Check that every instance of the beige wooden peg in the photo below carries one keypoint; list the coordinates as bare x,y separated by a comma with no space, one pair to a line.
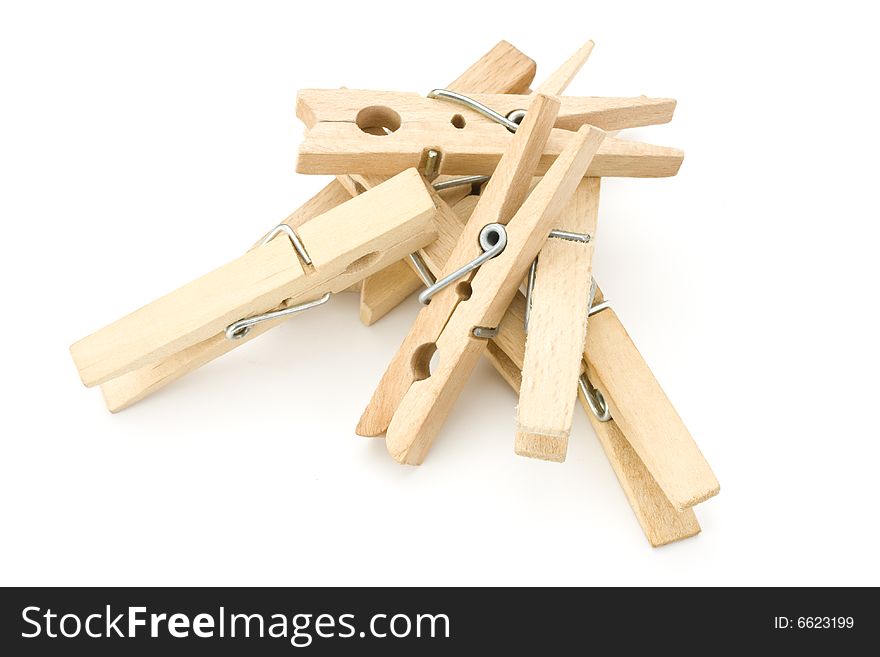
560,303
662,521
383,291
504,69
638,404
557,326
502,197
258,280
343,245
383,113
428,401
659,520
370,133
644,413
331,148
560,78
132,387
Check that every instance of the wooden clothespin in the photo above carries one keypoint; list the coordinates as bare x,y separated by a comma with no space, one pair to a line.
292,270
660,521
502,70
629,394
557,303
132,387
378,133
411,402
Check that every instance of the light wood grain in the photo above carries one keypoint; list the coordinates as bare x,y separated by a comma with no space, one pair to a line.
557,328
550,439
503,195
332,148
331,195
411,110
661,440
661,523
659,519
645,415
258,280
428,401
345,244
127,389
559,80
335,143
381,293
504,69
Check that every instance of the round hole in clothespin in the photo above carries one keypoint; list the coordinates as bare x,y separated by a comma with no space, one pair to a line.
378,120
458,121
422,361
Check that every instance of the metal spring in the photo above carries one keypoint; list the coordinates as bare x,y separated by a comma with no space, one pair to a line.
493,239
511,121
237,330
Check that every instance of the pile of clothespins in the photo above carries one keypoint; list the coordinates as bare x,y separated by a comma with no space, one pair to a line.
484,196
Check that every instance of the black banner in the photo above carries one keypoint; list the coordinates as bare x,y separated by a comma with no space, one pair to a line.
278,621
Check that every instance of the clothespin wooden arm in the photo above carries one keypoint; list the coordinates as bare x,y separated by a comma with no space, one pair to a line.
559,303
381,111
659,520
639,407
559,80
557,325
259,280
427,402
503,69
498,203
127,389
644,413
340,244
333,148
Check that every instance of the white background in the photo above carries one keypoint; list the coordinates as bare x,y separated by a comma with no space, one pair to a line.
143,144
